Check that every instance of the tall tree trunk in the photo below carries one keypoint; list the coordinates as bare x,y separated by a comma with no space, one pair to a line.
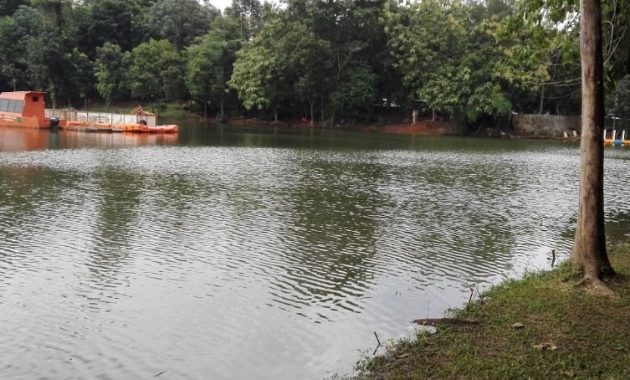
541,105
222,105
589,251
312,104
321,117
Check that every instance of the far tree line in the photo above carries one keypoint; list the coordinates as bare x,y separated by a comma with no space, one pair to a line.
322,61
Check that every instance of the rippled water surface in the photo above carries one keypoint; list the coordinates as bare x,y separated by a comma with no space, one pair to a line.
235,254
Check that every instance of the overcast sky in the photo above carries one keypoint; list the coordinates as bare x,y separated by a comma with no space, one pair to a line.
221,4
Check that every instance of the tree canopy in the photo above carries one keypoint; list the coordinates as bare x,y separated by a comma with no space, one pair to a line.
326,61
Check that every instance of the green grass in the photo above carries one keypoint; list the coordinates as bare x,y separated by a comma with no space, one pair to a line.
584,335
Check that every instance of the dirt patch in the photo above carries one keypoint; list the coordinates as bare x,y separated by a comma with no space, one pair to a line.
420,128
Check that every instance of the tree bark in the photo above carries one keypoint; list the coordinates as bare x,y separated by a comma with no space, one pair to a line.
222,105
321,118
589,250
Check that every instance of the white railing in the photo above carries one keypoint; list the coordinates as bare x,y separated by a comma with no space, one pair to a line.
101,117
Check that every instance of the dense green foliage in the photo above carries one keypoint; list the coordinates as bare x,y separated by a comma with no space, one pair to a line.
323,61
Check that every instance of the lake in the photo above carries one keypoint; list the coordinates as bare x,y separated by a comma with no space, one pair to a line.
236,253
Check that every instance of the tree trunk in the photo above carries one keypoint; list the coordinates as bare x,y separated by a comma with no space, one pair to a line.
589,251
541,105
321,118
333,116
312,104
222,106
275,114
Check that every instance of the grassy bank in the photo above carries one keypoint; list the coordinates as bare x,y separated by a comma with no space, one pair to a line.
543,326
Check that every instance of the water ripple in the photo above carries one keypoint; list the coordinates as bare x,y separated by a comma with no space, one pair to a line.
124,263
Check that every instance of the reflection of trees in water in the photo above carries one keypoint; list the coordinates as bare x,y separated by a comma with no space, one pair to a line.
116,221
462,218
329,236
24,192
459,223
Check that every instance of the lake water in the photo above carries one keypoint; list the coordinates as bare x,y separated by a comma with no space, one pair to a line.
227,253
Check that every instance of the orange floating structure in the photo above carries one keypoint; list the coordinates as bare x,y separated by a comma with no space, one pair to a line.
27,109
24,109
86,126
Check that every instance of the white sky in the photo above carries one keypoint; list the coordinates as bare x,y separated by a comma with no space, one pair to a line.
221,4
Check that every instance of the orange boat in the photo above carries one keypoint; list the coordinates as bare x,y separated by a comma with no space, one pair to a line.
27,109
24,109
126,128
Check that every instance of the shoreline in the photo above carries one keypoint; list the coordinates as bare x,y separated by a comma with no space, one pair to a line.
541,326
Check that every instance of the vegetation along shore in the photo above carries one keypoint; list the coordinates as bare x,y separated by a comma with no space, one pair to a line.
547,325
323,63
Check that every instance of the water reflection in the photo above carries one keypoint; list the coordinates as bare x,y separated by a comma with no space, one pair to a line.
329,237
18,139
284,251
116,222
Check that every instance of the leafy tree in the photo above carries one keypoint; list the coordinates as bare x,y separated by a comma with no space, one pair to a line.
15,34
52,10
257,78
179,21
32,54
308,59
48,69
82,78
111,72
114,21
461,58
208,67
8,7
260,71
356,91
562,16
430,41
357,40
619,101
249,14
10,69
156,72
